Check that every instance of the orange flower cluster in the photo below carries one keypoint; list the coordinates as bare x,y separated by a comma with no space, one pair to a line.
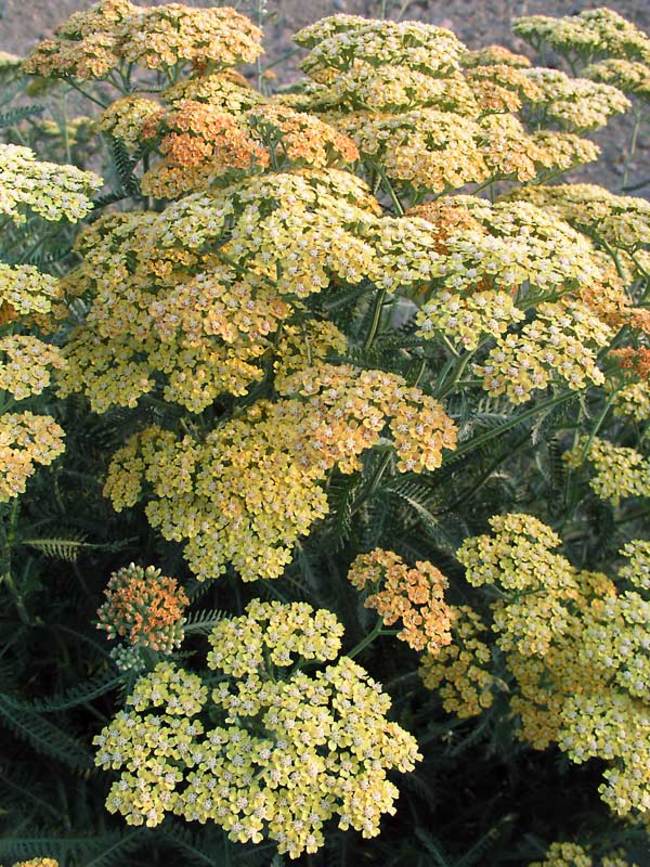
414,596
145,607
201,142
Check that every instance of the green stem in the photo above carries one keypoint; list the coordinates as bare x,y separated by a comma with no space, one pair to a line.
460,369
633,143
480,440
376,319
374,483
598,425
370,637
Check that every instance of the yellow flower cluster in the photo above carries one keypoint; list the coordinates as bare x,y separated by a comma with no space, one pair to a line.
25,439
576,855
507,246
574,646
494,55
249,490
414,596
633,401
560,344
591,34
536,582
621,221
429,114
467,318
52,191
501,87
25,364
637,571
162,305
25,291
37,862
460,672
630,76
145,607
92,43
339,42
290,751
575,104
619,471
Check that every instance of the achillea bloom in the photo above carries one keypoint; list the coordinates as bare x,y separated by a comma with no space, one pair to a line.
423,149
460,671
575,653
536,582
25,291
126,117
226,90
52,191
560,344
589,35
90,44
197,141
85,46
637,571
565,855
576,855
145,607
631,77
26,363
37,862
232,506
337,43
414,596
621,221
289,750
466,319
494,55
574,104
619,471
25,439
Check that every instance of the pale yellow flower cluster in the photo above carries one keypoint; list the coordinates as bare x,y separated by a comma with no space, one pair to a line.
161,305
248,491
289,750
52,191
338,42
436,126
576,855
94,42
37,862
561,344
589,35
26,363
575,104
574,646
25,291
466,319
460,672
25,439
619,471
620,221
632,77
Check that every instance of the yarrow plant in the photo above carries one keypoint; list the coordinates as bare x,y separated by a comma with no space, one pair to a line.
363,383
290,751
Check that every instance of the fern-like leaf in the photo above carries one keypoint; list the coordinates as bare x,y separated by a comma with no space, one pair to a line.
44,736
16,115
